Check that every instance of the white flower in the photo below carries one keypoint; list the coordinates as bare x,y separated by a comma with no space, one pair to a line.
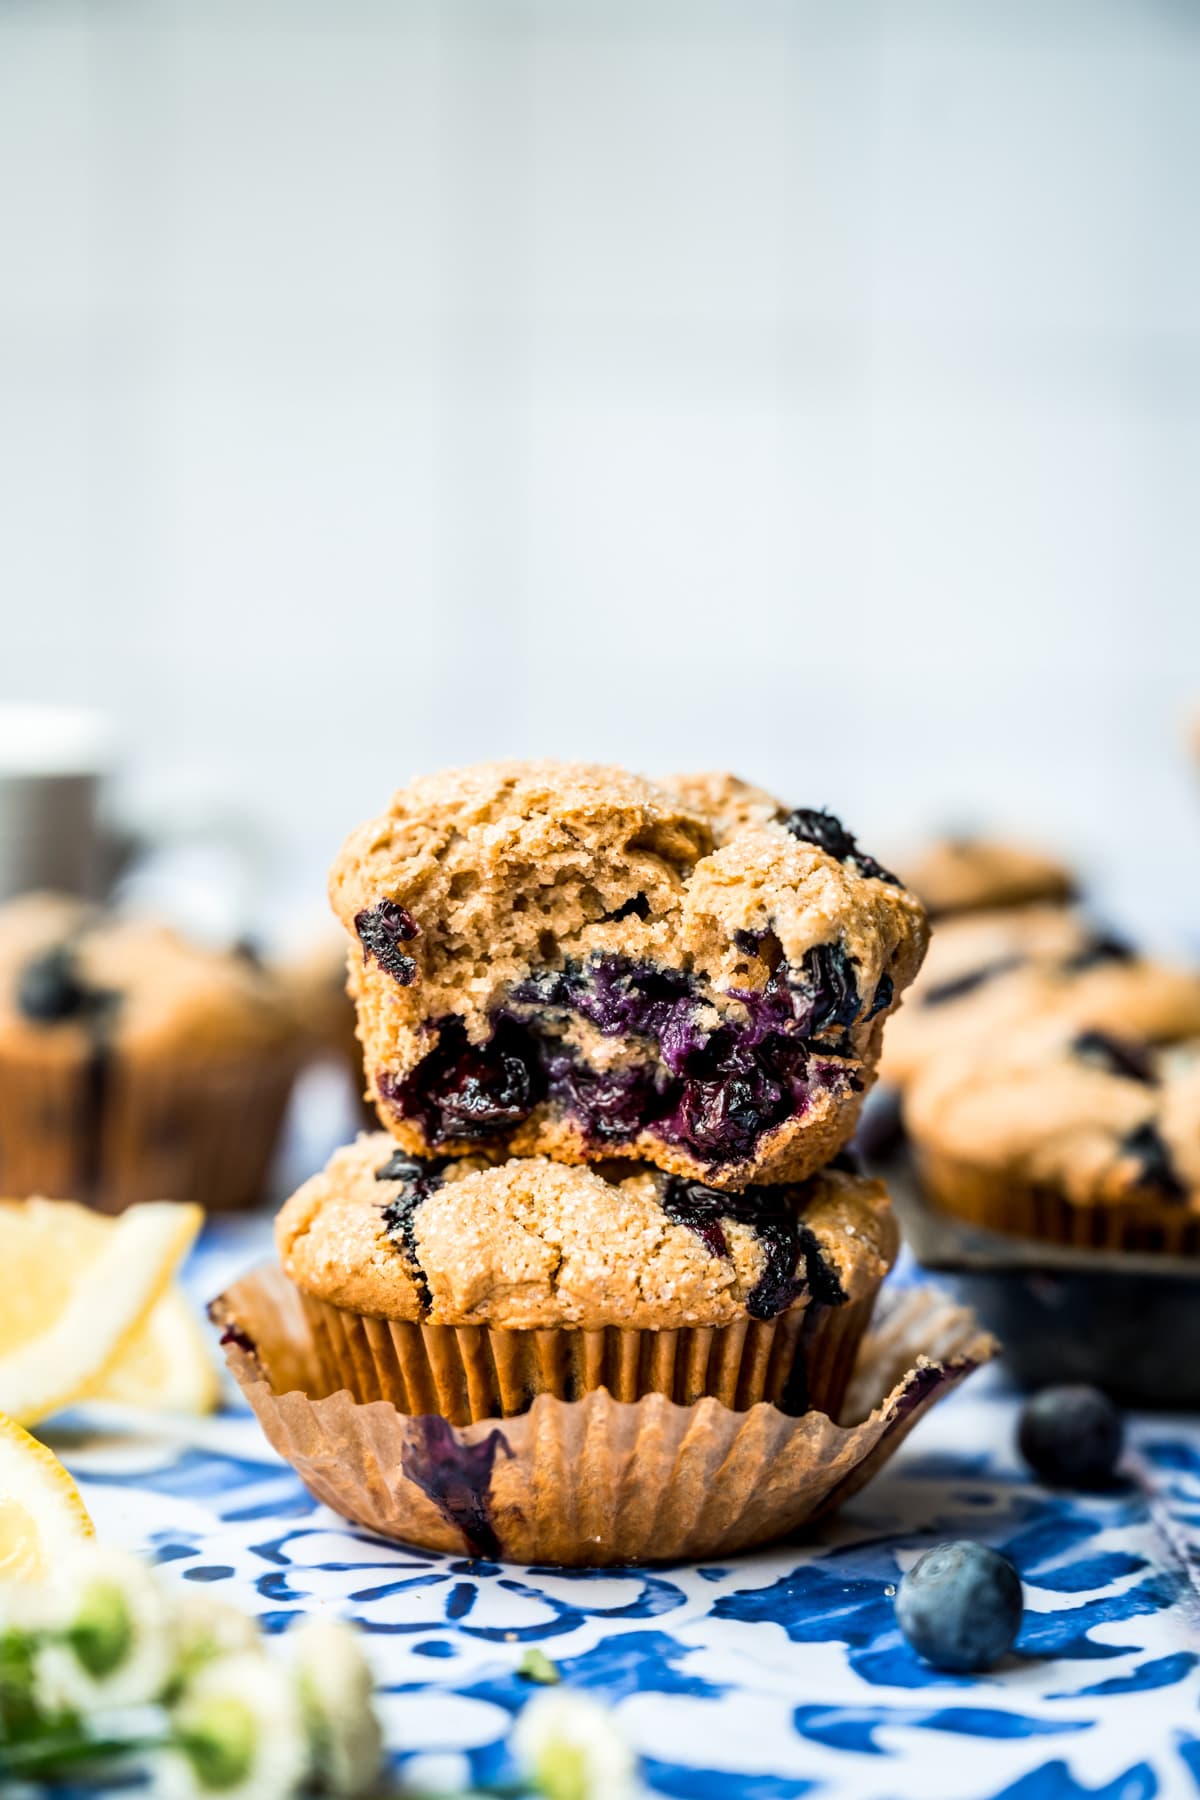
572,1750
238,1733
111,1628
337,1698
206,1627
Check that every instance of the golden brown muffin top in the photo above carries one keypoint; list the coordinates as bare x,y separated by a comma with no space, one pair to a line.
68,970
530,1243
1096,1117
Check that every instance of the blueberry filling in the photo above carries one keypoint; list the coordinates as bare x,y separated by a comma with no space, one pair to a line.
812,826
468,1092
714,1091
962,985
418,1180
1155,1167
1114,1056
381,930
1103,947
784,1237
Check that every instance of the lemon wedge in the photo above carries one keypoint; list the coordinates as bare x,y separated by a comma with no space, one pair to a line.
75,1291
167,1365
41,1514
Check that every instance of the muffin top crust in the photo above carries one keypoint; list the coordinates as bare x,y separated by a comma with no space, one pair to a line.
1097,1117
70,971
531,1243
963,874
612,922
987,974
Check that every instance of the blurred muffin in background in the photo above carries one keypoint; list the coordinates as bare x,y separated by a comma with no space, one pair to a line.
135,1065
1075,1136
968,874
992,974
316,985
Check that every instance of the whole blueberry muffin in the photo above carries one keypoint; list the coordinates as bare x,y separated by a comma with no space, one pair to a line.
466,1288
567,960
989,973
1066,1133
134,1065
966,874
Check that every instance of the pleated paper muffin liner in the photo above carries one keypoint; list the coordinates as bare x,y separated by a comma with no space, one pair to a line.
112,1129
1145,1222
469,1372
591,1482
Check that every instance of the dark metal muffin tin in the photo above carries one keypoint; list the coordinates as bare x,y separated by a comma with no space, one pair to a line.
1129,1322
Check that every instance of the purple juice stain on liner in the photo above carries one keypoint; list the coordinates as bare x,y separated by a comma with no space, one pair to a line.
456,1477
381,930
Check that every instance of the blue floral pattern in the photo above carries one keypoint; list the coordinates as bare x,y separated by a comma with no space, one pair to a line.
776,1674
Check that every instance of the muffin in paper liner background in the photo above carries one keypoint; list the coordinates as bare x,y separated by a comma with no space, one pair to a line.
135,1064
467,1288
593,1482
1072,1136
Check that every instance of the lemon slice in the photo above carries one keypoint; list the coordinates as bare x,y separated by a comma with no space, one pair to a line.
75,1290
167,1365
41,1514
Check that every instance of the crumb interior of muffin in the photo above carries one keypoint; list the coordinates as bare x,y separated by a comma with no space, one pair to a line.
620,1046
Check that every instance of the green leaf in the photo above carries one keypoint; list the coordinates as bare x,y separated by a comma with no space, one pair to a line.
535,1665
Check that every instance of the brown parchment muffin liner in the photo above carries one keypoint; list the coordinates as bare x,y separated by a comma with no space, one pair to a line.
591,1482
468,1372
995,1202
111,1128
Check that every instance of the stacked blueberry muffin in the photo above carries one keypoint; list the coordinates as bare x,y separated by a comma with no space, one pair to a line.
618,1034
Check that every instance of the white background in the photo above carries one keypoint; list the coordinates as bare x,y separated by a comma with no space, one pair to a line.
807,388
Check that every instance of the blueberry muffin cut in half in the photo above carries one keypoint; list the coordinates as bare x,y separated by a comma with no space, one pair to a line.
566,960
135,1065
1067,1133
465,1289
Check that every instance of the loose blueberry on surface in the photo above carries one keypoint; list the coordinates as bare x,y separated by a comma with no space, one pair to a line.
1156,1170
1116,1056
960,1607
1071,1436
824,829
381,930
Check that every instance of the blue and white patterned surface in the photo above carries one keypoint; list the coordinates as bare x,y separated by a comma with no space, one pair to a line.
776,1674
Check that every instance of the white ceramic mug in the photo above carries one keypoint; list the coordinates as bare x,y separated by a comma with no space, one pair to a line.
54,761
